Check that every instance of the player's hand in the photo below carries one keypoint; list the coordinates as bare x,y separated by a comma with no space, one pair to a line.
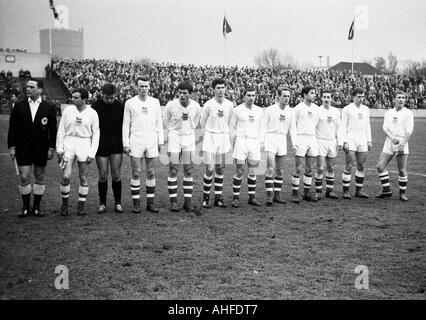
159,148
395,141
370,145
346,147
12,152
126,150
60,155
339,147
295,147
89,160
166,138
50,153
262,147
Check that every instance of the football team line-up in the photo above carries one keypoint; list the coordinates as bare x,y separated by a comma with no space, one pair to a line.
107,129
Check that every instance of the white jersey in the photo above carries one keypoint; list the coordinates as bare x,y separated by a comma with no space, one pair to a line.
84,124
329,124
175,115
248,122
356,122
215,116
306,119
142,120
280,121
399,123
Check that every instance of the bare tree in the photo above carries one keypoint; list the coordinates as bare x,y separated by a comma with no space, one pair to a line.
415,69
392,62
288,61
143,60
269,58
380,63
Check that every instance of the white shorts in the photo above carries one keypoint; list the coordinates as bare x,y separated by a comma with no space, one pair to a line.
246,149
358,144
146,146
179,143
76,147
218,143
307,146
327,148
390,148
276,143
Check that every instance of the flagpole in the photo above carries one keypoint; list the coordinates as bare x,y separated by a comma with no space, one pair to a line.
353,48
224,14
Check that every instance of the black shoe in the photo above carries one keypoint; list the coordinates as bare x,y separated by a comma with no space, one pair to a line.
151,208
174,207
277,199
64,210
80,209
206,204
235,203
219,202
310,198
189,207
403,196
136,209
383,195
318,196
118,208
361,194
37,212
24,213
347,195
331,195
269,201
102,208
254,202
295,198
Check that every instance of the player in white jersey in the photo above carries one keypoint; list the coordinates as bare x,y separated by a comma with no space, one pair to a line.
398,126
328,132
356,131
78,139
306,144
215,118
279,120
181,117
143,136
248,134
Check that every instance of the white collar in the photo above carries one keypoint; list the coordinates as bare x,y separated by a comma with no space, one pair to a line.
37,101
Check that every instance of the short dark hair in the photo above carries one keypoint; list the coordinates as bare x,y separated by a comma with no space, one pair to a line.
142,78
327,91
280,91
248,89
217,81
306,89
84,94
185,85
109,89
40,83
357,91
397,92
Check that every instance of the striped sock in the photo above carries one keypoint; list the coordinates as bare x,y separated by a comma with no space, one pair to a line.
25,192
82,193
384,179
150,190
403,180
307,182
65,191
346,181
269,185
295,181
38,190
188,186
318,182
172,186
359,180
218,185
329,181
207,184
251,185
236,186
135,188
278,184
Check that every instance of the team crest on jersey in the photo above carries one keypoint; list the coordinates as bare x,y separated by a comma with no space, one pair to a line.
310,114
44,121
251,117
329,119
220,113
184,115
78,120
360,116
395,119
282,117
144,109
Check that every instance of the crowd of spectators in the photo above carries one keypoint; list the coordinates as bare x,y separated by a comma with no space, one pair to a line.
164,78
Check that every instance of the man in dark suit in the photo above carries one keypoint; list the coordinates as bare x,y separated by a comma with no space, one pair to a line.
32,139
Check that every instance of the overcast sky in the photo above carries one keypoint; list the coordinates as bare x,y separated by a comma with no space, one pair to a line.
190,31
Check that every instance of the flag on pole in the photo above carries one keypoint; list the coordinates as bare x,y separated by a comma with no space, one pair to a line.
226,27
52,6
351,31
